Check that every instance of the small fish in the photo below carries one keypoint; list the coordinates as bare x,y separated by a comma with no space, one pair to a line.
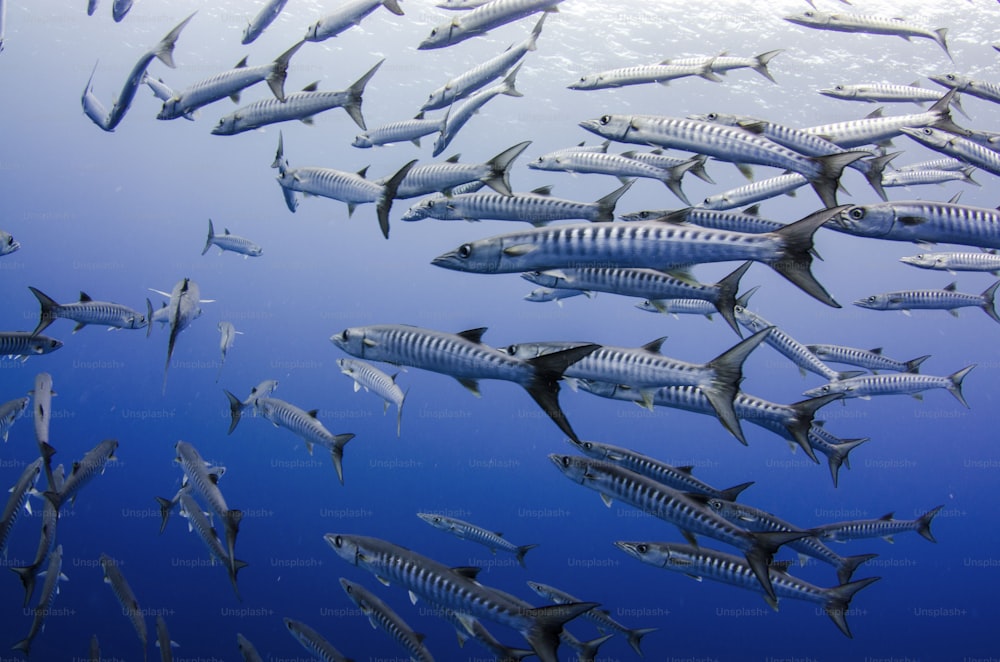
10,411
918,177
256,26
945,299
869,24
347,15
886,92
367,376
661,73
952,262
747,194
482,19
921,221
394,132
84,470
198,521
183,308
458,116
970,86
493,540
8,244
17,500
87,311
236,406
313,642
50,519
884,527
205,483
971,152
449,176
904,383
162,91
114,577
229,334
53,574
722,63
546,294
24,344
870,359
381,615
247,649
163,641
231,242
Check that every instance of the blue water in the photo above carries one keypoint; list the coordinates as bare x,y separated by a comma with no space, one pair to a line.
116,214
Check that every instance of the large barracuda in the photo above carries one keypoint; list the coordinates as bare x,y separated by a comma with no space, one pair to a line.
648,244
482,19
205,483
966,85
230,84
53,574
46,542
347,15
726,144
958,147
869,24
876,92
465,357
456,589
685,510
748,220
720,64
87,311
918,177
921,221
701,563
25,344
465,84
302,106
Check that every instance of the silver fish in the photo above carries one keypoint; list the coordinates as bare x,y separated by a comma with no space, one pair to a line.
922,221
226,341
617,165
545,294
904,383
457,117
448,176
86,469
183,308
247,650
92,106
347,15
163,641
87,311
456,589
676,307
53,573
969,151
493,540
662,73
204,483
884,527
970,86
10,411
764,189
313,642
748,220
935,164
198,521
722,63
17,500
46,542
869,24
482,19
367,376
918,177
256,26
236,406
119,8
647,244
114,577
24,344
381,615
8,244
230,242
699,563
886,92
465,84
412,130
301,106
162,91
944,299
464,357
871,359
952,262
230,84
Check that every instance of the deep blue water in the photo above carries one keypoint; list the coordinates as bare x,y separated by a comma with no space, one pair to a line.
116,214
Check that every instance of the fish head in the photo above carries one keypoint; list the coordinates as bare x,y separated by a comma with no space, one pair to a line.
574,467
312,32
543,278
955,80
603,389
44,345
482,256
811,18
425,209
928,135
136,320
612,127
588,82
926,261
843,386
725,119
656,554
170,110
8,244
347,547
645,215
362,140
255,251
435,520
358,341
839,92
717,201
874,302
226,125
593,449
546,163
864,220
439,36
751,321
436,99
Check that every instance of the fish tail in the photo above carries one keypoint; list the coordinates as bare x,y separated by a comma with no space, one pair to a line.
673,179
233,569
276,79
606,205
955,383
393,6
725,301
54,498
761,66
759,556
635,638
967,173
875,169
521,551
988,301
698,169
849,564
48,310
164,51
149,317
24,646
543,634
211,236
796,257
728,368
840,456
941,39
535,32
924,523
27,576
235,410
839,599
731,493
337,453
587,650
804,412
942,107
544,385
355,92
913,365
384,203
279,156
399,413
508,83
831,167
166,505
499,166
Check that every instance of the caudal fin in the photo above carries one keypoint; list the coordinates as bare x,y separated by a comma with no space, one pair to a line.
355,93
235,410
924,523
849,564
839,599
725,300
988,301
166,506
543,634
913,365
337,453
873,171
27,576
48,310
544,385
164,51
728,368
211,236
804,412
606,205
762,551
521,551
499,166
276,79
837,456
586,651
384,203
761,66
831,167
955,384
796,256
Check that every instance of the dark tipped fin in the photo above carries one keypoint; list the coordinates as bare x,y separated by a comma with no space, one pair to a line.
235,410
166,505
849,564
728,368
547,623
989,300
606,205
48,308
521,551
955,385
355,92
763,549
913,365
384,203
276,79
725,301
499,166
796,259
924,523
839,599
762,61
876,167
730,493
544,386
802,420
832,165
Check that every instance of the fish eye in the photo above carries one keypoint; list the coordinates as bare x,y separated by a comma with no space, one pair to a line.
927,131
871,299
588,445
642,548
434,32
712,117
715,504
857,213
338,541
565,460
465,251
839,88
10,241
950,76
346,334
825,388
605,119
512,349
809,14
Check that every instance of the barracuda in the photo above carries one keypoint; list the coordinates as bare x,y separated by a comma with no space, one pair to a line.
704,563
966,85
686,511
726,144
87,311
756,519
53,573
764,189
90,465
42,407
306,426
236,407
230,242
114,577
657,158
537,207
646,283
228,337
482,19
92,106
456,589
314,642
921,221
947,143
25,344
617,165
247,649
945,299
464,357
482,636
348,14
869,24
544,294
46,542
230,84
677,307
367,376
10,411
885,527
8,244
918,177
448,176
662,73
720,64
645,369
199,522
382,616
876,92
302,106
394,132
679,478
461,529
478,77
205,483
454,121
645,244
17,500
952,262
870,359
935,164
256,26
747,221
904,383
183,308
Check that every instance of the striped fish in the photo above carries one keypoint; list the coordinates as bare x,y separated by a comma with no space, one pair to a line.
393,132
904,383
86,311
313,641
947,143
662,73
53,574
884,527
256,26
381,615
17,500
870,359
876,129
918,177
230,242
198,521
10,411
448,176
114,577
967,85
84,470
205,483
921,221
46,542
367,376
945,299
482,19
493,540
347,15
885,92
247,650
764,189
869,24
457,117
952,262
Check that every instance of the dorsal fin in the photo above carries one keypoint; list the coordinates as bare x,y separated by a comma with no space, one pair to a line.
542,190
752,210
312,413
311,87
363,172
875,350
467,571
242,63
686,469
84,296
654,345
874,114
887,517
951,287
453,159
473,335
226,230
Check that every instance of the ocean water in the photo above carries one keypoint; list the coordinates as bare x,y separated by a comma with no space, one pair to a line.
116,214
